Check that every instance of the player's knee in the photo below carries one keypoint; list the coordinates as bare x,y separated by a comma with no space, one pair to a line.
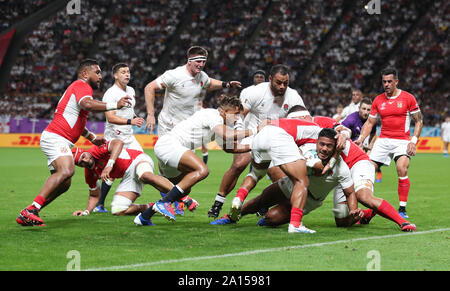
343,222
203,172
120,204
144,171
66,173
340,211
276,216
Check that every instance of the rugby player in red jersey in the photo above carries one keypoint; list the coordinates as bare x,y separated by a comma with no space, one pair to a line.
396,108
68,124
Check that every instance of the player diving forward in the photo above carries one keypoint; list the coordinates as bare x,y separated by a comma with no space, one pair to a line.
271,99
180,164
317,156
112,161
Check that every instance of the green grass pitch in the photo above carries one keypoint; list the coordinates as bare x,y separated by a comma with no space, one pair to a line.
106,242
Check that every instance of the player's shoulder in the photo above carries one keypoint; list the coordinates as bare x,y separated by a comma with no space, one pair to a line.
255,91
407,94
292,92
379,97
131,90
80,84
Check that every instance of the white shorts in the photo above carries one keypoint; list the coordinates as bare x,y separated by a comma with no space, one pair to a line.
446,138
130,181
169,151
54,146
363,175
129,142
274,144
286,187
165,124
386,149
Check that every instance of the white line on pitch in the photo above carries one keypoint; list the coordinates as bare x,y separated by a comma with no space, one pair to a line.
246,253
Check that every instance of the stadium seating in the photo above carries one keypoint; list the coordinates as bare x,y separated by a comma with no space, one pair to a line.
241,36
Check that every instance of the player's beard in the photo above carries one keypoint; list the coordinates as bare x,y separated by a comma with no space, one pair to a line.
94,85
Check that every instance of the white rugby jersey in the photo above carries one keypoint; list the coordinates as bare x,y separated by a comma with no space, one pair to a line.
182,94
122,132
197,129
321,186
261,103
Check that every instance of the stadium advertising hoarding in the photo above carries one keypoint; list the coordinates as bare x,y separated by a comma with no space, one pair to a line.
24,132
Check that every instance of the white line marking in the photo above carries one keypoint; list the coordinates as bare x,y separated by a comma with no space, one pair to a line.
247,253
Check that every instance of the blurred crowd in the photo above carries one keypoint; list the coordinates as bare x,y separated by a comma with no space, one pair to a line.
241,37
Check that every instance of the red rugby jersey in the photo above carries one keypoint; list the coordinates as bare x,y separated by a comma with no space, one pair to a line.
395,114
70,119
101,156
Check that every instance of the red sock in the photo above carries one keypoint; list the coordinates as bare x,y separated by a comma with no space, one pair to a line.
403,188
368,213
296,216
388,211
38,202
242,193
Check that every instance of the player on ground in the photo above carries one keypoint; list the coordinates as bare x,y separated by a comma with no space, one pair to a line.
119,122
396,108
304,131
362,171
277,146
180,164
271,99
317,156
112,161
445,134
68,124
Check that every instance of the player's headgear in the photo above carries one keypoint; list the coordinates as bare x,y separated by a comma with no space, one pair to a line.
76,153
197,53
298,111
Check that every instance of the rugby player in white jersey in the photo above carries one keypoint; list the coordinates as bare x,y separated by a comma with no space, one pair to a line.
183,87
317,156
272,100
119,122
180,164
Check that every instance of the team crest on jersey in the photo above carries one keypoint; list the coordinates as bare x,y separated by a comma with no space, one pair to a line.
399,104
383,106
286,107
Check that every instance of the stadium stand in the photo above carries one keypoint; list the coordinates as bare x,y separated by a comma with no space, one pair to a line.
330,46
